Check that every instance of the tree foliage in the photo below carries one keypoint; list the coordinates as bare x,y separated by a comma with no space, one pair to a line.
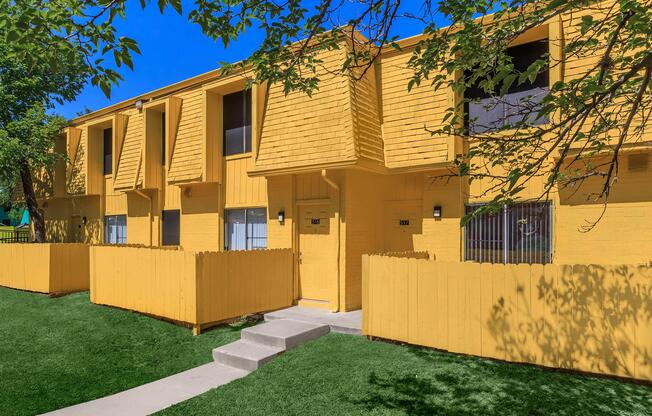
591,116
48,52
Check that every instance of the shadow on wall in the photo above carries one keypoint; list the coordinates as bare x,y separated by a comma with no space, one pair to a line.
57,230
583,317
590,318
632,183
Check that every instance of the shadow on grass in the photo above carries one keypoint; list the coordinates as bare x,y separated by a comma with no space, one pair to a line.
459,385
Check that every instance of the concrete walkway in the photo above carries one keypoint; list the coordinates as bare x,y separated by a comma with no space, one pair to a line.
284,330
152,397
343,322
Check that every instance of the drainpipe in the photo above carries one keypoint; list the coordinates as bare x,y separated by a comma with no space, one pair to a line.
149,199
339,211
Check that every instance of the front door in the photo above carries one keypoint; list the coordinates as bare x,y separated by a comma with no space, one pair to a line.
317,260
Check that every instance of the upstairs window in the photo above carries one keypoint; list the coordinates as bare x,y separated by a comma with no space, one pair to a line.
171,227
486,112
107,151
237,122
115,229
519,233
246,229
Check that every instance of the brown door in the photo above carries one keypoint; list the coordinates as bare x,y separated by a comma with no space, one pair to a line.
402,223
317,260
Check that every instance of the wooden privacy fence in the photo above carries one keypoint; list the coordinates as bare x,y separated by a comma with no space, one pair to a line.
195,288
45,268
583,317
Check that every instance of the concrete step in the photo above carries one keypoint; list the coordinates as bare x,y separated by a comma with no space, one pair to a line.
245,355
284,333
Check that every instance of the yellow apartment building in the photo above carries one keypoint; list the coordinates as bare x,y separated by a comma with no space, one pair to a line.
208,166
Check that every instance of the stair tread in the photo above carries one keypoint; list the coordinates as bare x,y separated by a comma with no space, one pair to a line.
249,350
284,328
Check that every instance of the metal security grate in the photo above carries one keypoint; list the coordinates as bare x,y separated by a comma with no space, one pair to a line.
520,233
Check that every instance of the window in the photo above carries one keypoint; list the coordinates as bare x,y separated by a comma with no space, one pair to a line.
519,233
246,229
519,104
108,151
237,122
171,222
115,229
163,139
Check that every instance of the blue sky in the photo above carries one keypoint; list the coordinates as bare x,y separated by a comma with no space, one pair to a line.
174,49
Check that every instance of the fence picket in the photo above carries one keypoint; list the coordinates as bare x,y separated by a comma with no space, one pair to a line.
591,318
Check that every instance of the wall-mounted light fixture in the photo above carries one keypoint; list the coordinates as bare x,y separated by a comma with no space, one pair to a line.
139,105
281,217
436,211
84,220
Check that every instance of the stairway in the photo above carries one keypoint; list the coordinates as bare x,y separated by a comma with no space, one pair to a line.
262,343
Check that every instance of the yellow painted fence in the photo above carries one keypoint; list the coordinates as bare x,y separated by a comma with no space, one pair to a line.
583,317
196,288
45,268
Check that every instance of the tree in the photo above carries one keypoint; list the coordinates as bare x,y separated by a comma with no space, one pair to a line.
590,116
48,52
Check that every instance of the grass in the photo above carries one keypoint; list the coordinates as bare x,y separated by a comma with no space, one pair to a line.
56,352
346,375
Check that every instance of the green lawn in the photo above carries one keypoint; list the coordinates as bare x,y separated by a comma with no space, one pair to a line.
346,375
56,352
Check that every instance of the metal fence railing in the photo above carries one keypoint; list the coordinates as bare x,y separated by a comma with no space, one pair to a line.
14,236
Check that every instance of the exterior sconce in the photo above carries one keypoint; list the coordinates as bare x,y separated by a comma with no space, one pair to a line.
84,220
139,105
281,217
436,212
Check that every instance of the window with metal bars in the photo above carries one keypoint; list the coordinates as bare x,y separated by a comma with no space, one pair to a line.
519,233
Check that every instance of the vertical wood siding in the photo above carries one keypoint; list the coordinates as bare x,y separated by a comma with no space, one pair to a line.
240,189
45,268
583,317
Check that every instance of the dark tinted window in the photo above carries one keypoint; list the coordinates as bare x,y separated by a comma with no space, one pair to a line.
108,151
237,122
520,104
522,57
171,221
